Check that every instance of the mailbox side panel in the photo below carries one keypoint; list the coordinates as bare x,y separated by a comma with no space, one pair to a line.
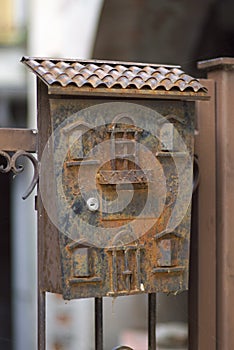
49,265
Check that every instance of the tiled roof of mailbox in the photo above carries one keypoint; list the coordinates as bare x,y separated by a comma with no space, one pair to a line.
112,75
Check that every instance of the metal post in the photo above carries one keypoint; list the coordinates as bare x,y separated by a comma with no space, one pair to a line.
41,320
221,70
98,324
202,281
152,321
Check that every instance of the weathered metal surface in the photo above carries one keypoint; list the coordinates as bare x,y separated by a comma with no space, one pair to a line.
49,266
62,76
129,263
18,139
167,252
130,93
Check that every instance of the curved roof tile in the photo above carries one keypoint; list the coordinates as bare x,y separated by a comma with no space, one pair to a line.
99,74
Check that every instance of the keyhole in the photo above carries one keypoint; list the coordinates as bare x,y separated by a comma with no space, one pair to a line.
92,204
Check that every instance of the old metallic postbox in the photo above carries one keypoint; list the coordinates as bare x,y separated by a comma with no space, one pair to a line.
116,176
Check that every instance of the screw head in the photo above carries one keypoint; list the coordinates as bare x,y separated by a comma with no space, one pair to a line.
93,204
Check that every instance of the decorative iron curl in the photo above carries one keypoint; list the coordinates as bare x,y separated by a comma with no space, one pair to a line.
7,168
16,169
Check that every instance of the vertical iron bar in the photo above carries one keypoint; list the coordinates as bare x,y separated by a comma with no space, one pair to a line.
193,277
41,320
152,321
98,324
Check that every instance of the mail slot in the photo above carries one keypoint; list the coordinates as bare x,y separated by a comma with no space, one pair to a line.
116,174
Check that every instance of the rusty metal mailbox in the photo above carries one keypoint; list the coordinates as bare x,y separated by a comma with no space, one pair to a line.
116,174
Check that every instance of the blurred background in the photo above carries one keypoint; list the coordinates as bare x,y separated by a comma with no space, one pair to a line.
159,31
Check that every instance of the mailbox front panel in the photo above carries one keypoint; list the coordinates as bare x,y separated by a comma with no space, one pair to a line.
123,183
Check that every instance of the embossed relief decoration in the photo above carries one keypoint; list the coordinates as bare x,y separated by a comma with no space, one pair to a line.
123,186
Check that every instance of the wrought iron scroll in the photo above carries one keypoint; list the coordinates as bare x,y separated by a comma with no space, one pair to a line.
11,165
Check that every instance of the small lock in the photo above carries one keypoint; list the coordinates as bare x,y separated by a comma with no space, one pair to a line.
93,204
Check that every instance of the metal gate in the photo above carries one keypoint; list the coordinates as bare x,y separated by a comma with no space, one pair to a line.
210,316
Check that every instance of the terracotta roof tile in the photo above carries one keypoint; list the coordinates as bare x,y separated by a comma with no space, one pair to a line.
70,72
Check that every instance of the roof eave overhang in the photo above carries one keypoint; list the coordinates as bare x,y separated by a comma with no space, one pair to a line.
127,93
